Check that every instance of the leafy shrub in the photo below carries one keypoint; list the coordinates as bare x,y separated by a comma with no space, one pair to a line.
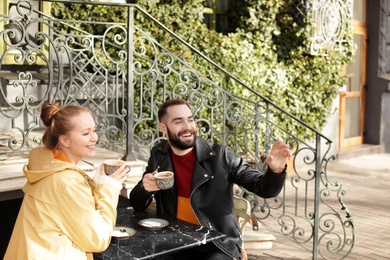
267,48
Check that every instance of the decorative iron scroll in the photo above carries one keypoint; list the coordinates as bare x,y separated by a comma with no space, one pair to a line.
331,20
309,197
51,65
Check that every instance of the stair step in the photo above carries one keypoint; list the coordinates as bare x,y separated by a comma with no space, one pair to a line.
257,240
359,150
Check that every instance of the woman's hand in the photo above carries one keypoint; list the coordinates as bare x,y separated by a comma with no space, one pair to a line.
120,174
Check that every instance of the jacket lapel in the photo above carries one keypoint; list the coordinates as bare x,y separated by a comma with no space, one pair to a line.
203,152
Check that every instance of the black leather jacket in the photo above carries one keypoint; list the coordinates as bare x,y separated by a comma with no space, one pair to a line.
217,168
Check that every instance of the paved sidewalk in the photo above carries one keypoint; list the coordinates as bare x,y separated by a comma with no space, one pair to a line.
366,180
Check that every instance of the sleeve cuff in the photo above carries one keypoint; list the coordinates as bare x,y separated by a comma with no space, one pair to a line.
104,179
280,171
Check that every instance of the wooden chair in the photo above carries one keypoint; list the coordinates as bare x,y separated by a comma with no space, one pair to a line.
242,208
255,240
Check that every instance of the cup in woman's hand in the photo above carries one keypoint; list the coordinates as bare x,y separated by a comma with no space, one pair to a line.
110,166
164,180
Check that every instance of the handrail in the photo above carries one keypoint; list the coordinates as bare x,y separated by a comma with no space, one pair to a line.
201,55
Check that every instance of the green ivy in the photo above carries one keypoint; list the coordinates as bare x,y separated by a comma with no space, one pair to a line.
267,48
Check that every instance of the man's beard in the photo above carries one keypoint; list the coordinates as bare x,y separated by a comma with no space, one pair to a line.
179,144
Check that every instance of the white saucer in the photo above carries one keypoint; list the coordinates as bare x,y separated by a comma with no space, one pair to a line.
153,223
122,232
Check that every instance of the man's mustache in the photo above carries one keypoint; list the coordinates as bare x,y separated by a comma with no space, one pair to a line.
191,131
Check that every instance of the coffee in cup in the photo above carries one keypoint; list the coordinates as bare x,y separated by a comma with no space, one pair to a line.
110,166
164,179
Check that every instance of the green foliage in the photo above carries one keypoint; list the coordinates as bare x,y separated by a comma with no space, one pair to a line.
267,48
268,51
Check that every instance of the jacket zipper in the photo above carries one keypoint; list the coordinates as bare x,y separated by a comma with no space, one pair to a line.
209,224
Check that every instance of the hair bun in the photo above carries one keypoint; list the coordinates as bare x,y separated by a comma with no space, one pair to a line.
49,110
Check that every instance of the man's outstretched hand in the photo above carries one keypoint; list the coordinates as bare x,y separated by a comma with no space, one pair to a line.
278,156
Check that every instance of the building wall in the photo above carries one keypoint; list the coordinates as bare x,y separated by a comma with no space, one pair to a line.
377,112
376,87
385,122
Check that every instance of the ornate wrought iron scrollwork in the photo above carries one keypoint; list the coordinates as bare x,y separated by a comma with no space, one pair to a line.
331,20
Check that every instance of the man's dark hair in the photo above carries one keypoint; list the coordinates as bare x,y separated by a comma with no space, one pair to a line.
162,112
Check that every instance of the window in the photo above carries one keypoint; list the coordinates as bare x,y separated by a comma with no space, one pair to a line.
215,15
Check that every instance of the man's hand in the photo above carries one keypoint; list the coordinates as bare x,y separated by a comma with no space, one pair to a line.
278,156
149,182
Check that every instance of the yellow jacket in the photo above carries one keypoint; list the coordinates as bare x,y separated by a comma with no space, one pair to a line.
64,214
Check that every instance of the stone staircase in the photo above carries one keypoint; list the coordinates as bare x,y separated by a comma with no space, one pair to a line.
358,150
258,240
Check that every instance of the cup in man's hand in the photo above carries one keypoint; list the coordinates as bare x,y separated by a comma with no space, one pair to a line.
164,179
110,166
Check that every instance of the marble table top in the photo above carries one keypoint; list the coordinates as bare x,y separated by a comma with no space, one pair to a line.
147,243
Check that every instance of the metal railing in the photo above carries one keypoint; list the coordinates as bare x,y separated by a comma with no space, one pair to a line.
42,61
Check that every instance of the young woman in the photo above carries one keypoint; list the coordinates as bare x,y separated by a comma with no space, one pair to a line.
65,214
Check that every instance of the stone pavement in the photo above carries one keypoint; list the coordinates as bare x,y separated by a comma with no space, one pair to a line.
366,180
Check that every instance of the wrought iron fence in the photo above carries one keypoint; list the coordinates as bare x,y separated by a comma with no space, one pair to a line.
42,61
